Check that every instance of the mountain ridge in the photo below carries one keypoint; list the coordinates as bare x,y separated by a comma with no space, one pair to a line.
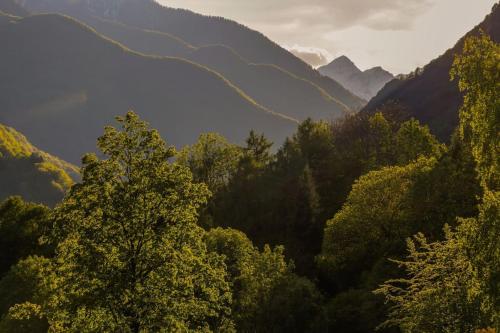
298,99
77,96
199,30
365,84
428,94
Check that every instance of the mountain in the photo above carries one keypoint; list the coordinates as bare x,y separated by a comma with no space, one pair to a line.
62,83
428,94
201,31
13,8
268,85
365,84
31,173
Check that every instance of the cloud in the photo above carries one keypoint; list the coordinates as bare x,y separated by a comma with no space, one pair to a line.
312,55
320,15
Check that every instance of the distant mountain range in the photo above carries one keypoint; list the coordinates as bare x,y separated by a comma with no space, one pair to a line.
365,84
62,83
31,173
428,94
269,74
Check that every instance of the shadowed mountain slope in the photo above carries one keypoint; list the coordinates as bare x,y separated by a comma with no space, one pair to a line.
268,85
198,30
428,94
13,8
61,83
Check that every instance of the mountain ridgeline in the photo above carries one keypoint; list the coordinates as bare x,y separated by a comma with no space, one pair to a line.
428,94
222,45
62,82
365,84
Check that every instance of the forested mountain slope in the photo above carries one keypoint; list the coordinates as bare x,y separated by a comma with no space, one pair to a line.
31,173
62,83
198,30
269,85
13,8
428,94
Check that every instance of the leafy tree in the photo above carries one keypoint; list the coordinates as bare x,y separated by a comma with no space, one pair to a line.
21,285
413,141
130,256
453,285
478,74
374,221
21,227
212,160
267,295
253,273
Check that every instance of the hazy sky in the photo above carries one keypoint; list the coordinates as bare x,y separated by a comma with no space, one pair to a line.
398,35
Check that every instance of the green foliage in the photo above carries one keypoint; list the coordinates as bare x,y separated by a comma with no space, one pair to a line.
130,256
29,172
20,285
267,295
212,160
414,140
453,285
353,311
21,227
374,221
478,73
13,144
253,274
435,296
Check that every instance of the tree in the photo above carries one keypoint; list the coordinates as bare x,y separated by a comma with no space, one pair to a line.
21,284
212,160
21,227
268,296
434,298
453,285
478,74
374,221
413,141
130,256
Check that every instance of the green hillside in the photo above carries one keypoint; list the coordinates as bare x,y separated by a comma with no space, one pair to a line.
30,173
63,82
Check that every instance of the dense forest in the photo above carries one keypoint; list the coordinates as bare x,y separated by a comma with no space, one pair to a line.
365,223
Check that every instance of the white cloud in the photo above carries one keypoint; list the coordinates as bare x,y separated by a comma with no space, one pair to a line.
324,14
312,55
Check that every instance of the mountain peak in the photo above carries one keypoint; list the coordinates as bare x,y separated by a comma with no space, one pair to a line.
364,84
343,63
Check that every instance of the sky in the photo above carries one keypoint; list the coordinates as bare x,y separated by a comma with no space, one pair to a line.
399,35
